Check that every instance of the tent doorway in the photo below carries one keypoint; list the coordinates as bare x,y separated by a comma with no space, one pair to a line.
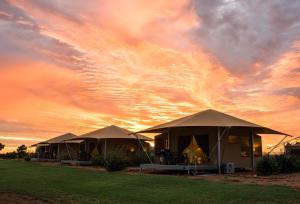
184,141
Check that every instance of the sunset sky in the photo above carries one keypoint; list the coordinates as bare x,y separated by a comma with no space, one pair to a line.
75,66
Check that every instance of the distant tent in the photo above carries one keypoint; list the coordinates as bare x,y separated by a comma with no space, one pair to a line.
54,148
111,139
56,140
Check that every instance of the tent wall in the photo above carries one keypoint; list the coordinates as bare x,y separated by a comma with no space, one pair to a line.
67,150
122,145
231,152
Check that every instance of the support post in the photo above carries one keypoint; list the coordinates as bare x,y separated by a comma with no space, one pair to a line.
252,150
168,138
219,151
143,147
105,150
58,152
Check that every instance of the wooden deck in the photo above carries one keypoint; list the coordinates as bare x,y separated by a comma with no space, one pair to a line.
178,167
76,162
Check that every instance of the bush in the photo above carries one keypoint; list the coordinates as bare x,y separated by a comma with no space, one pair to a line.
115,162
294,163
274,164
267,165
96,158
137,158
27,158
9,155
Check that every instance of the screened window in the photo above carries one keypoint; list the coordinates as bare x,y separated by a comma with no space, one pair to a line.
245,146
233,139
257,146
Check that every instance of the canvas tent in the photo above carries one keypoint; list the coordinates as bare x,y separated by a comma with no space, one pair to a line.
112,138
224,138
53,148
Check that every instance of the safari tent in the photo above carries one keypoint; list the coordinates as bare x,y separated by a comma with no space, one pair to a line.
208,140
55,148
108,140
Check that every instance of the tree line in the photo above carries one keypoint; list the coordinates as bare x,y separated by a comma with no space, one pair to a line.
20,153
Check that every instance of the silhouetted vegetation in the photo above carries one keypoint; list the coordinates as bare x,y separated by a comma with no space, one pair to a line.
19,154
115,162
1,146
277,164
21,150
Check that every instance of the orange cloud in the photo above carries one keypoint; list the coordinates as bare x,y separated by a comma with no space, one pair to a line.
74,67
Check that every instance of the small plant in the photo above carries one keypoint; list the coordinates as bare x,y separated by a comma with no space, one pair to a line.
137,158
9,155
294,162
96,158
276,164
116,161
267,165
27,158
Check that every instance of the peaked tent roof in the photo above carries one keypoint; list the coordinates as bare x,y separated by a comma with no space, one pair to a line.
61,138
112,131
210,118
57,139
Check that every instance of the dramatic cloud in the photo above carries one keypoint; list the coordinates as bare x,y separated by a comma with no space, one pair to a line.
73,66
246,35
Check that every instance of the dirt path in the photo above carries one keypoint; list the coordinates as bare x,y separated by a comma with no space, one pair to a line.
290,180
12,198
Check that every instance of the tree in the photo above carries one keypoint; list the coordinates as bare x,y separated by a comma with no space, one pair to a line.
1,146
21,151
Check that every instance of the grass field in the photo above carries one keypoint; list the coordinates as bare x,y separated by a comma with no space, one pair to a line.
64,184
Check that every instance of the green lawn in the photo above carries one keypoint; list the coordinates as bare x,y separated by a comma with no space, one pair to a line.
77,185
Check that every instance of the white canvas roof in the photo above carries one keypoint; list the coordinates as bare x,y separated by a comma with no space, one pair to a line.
58,139
210,118
112,131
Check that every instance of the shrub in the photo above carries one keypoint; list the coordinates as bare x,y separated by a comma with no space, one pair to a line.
96,158
267,165
9,155
294,162
27,158
137,158
115,161
273,164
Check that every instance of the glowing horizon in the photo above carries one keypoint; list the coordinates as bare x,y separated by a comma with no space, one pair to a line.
69,66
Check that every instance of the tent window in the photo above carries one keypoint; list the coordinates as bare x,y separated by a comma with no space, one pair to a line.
233,139
257,147
245,147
